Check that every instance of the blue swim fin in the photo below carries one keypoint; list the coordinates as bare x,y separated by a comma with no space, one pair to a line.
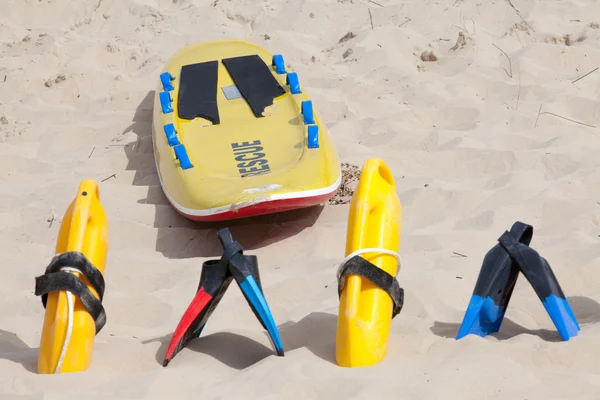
245,272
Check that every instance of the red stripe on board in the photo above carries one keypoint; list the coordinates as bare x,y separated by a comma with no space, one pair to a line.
267,207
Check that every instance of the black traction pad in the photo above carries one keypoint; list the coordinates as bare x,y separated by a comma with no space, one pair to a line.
255,81
54,280
359,266
198,91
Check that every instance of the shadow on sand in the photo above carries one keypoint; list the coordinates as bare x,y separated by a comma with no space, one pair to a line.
315,332
180,238
14,349
586,310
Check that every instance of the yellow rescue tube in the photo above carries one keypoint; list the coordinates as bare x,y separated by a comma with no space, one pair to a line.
365,311
84,229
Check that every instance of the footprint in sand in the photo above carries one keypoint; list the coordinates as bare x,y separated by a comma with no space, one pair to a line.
558,165
479,222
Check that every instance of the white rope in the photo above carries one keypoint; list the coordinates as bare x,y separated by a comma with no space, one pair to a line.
370,250
71,305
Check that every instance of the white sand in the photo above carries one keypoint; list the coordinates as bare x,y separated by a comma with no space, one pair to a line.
467,145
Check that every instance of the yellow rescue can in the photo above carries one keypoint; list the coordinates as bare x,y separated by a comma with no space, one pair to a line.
72,287
370,295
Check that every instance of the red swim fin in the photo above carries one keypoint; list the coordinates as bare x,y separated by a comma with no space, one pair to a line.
214,281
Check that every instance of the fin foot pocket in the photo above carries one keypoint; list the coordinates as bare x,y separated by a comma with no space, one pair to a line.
54,279
359,266
214,280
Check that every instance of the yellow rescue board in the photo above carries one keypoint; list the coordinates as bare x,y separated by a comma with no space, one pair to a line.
365,311
84,229
233,163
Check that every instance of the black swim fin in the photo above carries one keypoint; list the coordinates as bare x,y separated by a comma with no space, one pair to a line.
494,288
539,274
497,279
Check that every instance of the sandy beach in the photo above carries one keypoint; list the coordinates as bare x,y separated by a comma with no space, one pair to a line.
482,110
